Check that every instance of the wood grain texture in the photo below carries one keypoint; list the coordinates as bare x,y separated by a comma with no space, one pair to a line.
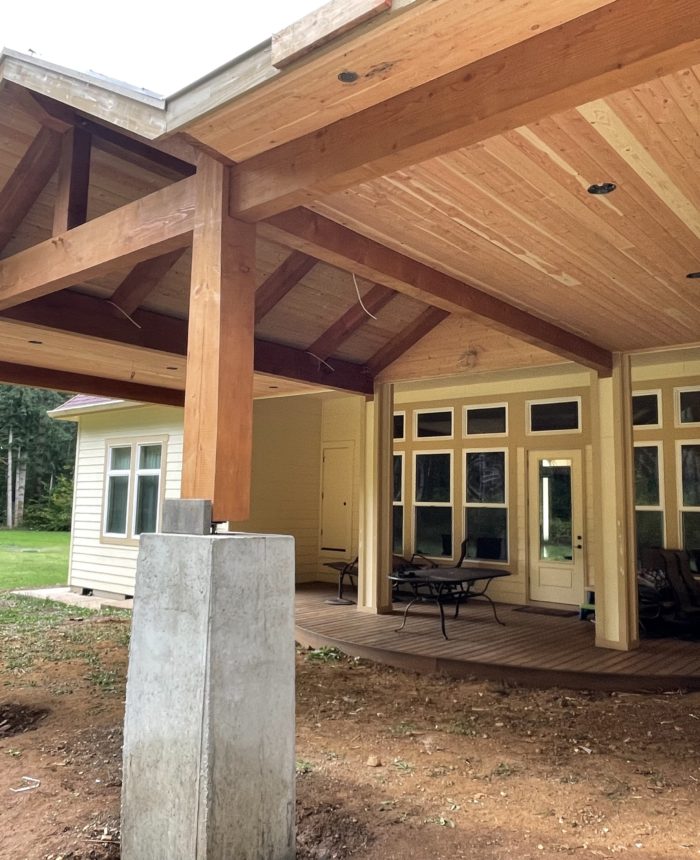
406,339
353,319
156,224
321,26
73,184
218,423
27,181
353,252
142,280
286,276
584,59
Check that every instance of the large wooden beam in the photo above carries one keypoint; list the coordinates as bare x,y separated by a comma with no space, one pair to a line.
218,423
142,280
154,225
405,339
71,204
93,317
588,57
281,281
27,181
344,248
81,383
353,319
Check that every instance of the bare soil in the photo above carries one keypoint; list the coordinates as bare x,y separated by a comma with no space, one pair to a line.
390,764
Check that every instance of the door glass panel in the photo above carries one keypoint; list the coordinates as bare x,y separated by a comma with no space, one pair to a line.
556,542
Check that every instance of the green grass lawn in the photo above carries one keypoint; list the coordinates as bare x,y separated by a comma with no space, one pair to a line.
33,559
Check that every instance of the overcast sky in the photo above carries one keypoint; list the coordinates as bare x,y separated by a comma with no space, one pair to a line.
157,45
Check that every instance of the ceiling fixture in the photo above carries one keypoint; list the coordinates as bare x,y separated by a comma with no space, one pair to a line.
348,77
37,342
170,367
603,188
693,275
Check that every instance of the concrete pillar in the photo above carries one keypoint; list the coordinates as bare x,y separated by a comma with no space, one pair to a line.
209,728
617,622
376,533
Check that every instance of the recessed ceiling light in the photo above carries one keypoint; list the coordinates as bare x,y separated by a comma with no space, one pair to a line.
273,386
348,77
170,367
693,275
37,342
603,188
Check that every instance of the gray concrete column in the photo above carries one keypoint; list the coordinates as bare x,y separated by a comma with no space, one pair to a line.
209,728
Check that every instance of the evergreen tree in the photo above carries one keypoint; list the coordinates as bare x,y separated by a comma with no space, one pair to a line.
34,450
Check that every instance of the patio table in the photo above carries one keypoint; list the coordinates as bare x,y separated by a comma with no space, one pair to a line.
448,585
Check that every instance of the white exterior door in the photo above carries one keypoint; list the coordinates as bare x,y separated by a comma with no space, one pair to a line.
556,527
336,498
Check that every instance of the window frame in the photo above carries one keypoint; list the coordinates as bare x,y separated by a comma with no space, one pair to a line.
472,406
659,405
134,443
693,509
498,505
415,504
396,414
429,439
402,503
677,407
661,507
569,431
116,473
142,473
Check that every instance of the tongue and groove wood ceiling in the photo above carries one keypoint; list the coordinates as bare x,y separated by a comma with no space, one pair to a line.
509,215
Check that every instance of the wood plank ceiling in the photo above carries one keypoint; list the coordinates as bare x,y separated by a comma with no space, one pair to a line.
508,219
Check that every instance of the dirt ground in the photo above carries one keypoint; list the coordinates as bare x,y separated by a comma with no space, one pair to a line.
390,764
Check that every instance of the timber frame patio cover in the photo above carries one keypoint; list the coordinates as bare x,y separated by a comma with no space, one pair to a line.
435,156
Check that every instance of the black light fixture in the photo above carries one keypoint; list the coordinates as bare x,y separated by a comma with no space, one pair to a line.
693,275
603,188
348,77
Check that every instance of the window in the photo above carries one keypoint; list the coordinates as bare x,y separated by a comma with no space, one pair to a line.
648,496
486,505
432,475
689,481
688,405
433,424
646,409
554,416
399,426
398,505
132,492
486,420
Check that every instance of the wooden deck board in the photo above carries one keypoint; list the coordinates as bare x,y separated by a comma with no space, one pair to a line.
533,649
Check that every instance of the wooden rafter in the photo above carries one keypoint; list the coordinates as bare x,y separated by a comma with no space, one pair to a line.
59,380
28,180
71,205
353,319
86,315
586,58
405,339
149,227
142,280
281,281
348,250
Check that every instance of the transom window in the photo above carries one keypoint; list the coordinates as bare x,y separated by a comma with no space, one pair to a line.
648,496
433,424
491,420
132,492
486,505
554,416
688,405
432,476
646,409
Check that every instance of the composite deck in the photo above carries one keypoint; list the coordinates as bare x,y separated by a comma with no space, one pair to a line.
530,649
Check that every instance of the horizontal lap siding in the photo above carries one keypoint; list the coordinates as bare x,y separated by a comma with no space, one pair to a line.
94,563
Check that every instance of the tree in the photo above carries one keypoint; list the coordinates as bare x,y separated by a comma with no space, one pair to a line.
34,450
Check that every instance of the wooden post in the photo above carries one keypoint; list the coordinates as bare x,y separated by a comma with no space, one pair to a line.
374,591
219,385
617,622
70,208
